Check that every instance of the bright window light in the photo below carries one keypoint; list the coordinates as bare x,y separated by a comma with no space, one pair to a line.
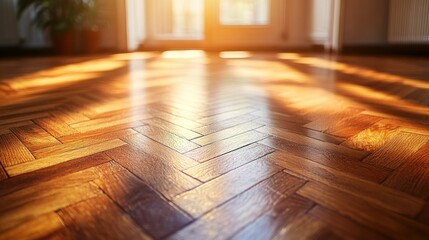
244,12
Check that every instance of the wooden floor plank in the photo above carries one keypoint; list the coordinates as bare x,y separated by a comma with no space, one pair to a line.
99,218
55,127
102,123
46,174
165,154
269,224
325,122
353,125
329,158
37,228
226,133
397,150
298,129
170,140
140,201
314,143
306,227
13,151
3,174
412,176
215,167
215,149
368,215
215,127
270,146
62,157
82,143
4,129
34,137
155,173
345,227
173,128
398,202
223,222
50,200
23,118
207,196
372,138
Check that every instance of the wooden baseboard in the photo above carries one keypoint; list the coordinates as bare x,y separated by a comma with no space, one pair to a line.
391,49
14,51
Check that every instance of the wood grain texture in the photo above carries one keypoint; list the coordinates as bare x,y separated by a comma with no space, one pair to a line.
345,227
412,176
325,122
314,143
273,221
328,158
168,139
4,129
224,221
55,127
101,216
45,174
219,126
160,176
160,145
226,133
298,129
38,228
372,138
49,201
398,149
398,202
351,126
13,151
140,201
169,156
361,211
62,157
82,143
173,128
233,183
225,163
34,137
230,144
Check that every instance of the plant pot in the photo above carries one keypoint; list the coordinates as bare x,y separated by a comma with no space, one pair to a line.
63,43
91,40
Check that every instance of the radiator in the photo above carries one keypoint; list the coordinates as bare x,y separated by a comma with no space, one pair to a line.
409,22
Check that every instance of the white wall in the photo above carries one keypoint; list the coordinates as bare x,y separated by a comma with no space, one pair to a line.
409,21
365,22
321,20
298,24
136,23
8,36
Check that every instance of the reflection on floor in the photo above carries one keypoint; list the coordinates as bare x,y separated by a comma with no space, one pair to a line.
195,145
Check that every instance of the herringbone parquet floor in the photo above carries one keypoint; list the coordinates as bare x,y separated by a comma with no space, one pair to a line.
189,145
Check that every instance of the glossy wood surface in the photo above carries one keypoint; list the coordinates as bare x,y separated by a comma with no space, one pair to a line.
189,145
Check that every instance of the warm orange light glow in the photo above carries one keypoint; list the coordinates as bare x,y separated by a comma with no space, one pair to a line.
183,54
26,83
135,56
362,72
235,54
68,73
288,56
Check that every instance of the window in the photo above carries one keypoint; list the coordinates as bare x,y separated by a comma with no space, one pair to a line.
244,12
179,19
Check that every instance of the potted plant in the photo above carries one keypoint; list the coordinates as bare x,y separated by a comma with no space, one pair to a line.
91,22
58,18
